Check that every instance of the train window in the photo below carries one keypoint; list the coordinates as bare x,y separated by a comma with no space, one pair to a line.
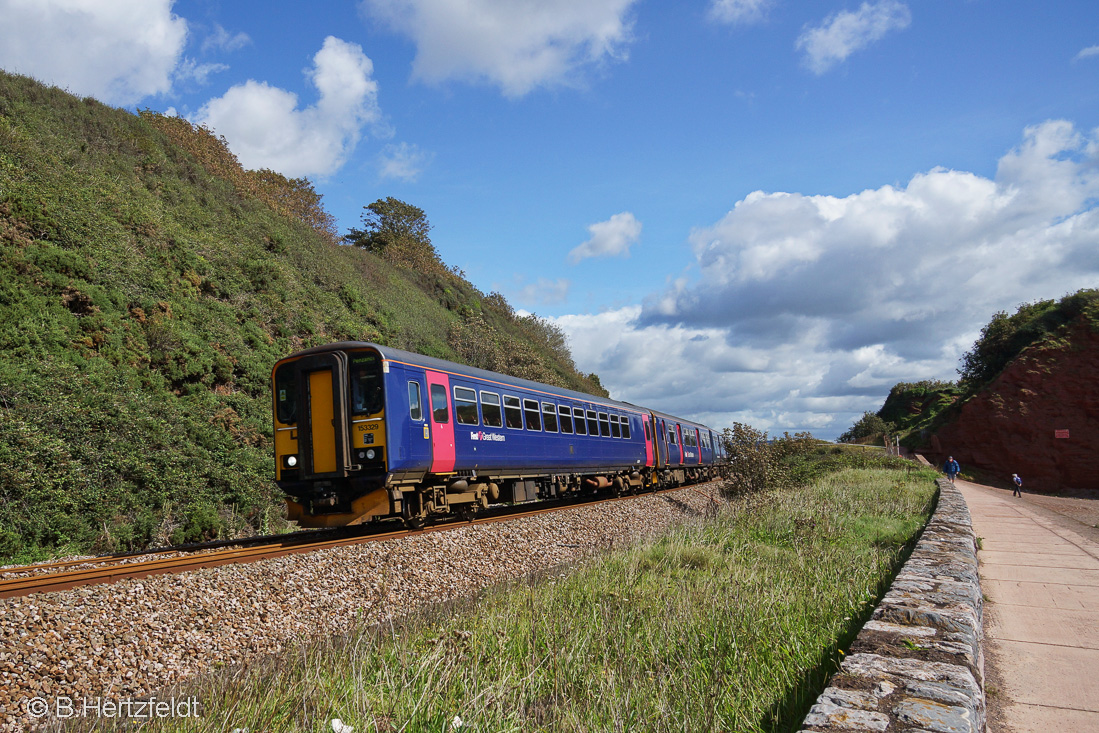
513,414
625,420
616,431
566,418
415,408
549,417
581,426
286,394
366,384
490,410
648,435
465,405
530,412
671,434
604,425
439,412
593,424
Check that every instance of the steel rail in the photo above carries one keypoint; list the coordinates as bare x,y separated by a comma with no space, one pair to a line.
301,534
52,582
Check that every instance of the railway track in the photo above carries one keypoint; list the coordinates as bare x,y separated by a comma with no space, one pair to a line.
68,574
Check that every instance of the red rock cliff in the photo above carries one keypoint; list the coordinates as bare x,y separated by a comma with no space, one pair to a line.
1011,426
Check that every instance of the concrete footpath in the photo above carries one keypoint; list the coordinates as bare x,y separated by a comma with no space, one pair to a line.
1039,573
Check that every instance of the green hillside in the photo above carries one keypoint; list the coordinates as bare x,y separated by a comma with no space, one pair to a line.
147,285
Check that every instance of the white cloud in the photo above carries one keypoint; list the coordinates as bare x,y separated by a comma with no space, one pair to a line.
403,162
807,309
1088,52
118,51
266,129
543,291
517,45
610,238
223,40
191,69
845,32
740,11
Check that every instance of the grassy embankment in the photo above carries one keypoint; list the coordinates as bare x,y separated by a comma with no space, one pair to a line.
731,622
148,283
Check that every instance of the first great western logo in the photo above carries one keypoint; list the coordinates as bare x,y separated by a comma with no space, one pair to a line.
489,437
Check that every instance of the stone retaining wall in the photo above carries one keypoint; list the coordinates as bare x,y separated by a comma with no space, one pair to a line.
917,664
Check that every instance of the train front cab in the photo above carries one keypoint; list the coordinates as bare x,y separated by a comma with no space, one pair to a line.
330,437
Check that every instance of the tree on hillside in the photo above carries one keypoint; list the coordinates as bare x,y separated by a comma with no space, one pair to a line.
398,232
390,221
866,426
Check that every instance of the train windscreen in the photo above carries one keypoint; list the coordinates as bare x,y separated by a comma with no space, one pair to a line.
366,384
286,394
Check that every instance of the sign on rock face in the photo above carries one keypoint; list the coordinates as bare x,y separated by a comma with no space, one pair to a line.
1060,433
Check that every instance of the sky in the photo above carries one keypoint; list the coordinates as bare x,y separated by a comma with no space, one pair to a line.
758,211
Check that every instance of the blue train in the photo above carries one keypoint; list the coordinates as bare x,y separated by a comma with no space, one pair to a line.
365,432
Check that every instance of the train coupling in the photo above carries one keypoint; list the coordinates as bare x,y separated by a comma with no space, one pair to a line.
325,501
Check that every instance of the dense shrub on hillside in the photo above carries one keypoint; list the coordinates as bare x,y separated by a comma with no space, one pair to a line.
293,197
1006,336
909,403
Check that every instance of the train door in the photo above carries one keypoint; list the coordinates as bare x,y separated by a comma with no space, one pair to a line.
648,440
442,428
679,439
662,442
698,443
415,445
322,425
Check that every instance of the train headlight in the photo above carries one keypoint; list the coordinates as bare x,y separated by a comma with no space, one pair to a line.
370,454
291,461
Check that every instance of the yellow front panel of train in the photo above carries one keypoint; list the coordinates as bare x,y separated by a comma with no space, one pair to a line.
322,419
369,433
286,444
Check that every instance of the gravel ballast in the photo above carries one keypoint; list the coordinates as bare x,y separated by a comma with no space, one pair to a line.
127,640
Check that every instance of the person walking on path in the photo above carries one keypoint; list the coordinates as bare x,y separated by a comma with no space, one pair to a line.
1017,489
951,469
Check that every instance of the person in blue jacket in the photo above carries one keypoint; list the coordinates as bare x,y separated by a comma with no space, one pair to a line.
951,468
1017,489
